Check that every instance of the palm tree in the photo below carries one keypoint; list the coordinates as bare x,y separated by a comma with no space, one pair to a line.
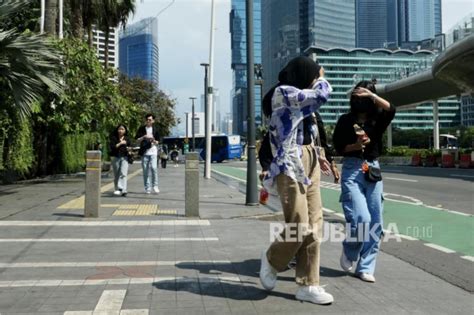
51,14
77,26
90,10
28,63
113,13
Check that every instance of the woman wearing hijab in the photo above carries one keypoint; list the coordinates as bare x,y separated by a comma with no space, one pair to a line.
358,137
294,175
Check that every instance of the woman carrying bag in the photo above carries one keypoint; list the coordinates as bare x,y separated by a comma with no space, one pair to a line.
358,137
119,143
294,175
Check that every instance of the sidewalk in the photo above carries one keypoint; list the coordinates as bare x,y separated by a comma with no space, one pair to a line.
142,256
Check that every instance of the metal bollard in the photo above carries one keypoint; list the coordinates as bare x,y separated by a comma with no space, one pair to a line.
191,185
93,176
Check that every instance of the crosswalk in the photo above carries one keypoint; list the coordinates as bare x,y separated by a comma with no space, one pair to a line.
22,241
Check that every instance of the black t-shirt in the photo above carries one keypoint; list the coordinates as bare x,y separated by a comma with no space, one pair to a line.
344,134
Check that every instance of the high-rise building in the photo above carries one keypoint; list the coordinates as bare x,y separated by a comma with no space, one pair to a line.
289,27
239,63
139,55
376,23
390,23
421,18
344,68
98,42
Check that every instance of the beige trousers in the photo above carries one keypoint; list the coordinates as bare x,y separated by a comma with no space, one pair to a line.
302,205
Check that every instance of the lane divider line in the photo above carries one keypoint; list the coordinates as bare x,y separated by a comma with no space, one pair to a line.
114,240
440,248
111,264
470,258
107,223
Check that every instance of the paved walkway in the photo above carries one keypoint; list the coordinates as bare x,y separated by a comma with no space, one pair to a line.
142,256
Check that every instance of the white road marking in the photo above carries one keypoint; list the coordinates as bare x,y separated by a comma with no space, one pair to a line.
124,281
337,187
106,223
109,264
470,258
402,179
406,237
111,300
440,248
456,175
140,239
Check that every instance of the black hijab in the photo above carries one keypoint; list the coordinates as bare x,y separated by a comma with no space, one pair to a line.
299,72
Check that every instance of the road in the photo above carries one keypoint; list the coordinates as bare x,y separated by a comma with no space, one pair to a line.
451,189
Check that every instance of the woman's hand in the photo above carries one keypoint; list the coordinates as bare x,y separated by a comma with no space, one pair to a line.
325,166
357,146
335,173
262,175
362,92
321,72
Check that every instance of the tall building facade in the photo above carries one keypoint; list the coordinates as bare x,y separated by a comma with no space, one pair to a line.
98,42
390,23
239,63
139,54
344,68
289,27
376,23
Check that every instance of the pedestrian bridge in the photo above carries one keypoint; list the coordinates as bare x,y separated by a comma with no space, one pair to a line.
452,73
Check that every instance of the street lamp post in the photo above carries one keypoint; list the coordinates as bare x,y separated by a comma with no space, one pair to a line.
186,113
251,191
207,164
192,123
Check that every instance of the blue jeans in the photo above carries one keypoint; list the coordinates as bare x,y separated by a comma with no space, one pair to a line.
150,165
362,202
120,167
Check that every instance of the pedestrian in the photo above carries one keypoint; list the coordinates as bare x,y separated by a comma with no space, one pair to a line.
294,174
175,155
118,151
164,155
358,138
148,137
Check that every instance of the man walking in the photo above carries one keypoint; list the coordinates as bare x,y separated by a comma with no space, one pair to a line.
148,137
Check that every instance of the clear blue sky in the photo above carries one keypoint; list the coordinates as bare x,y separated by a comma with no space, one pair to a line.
184,44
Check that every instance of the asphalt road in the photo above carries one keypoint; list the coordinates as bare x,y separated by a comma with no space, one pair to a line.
451,189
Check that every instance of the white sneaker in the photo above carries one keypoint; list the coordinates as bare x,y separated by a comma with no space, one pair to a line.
156,190
147,191
346,264
314,294
268,275
117,193
367,277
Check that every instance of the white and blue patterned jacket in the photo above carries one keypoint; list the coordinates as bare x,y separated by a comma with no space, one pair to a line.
290,106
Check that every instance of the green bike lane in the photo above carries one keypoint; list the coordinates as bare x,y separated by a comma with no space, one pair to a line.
450,230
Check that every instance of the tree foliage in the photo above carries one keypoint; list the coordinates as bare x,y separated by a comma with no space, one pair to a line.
152,100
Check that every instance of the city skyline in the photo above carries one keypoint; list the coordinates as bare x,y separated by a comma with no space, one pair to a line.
175,56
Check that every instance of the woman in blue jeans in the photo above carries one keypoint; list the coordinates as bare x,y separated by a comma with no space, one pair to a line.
358,138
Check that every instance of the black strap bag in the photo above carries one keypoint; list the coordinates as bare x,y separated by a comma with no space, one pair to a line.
373,174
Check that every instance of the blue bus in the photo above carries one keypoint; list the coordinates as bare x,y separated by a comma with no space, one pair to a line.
224,147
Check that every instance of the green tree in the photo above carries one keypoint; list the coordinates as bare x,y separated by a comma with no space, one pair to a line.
152,100
113,13
27,64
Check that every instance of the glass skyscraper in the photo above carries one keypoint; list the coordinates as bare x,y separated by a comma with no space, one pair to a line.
289,27
344,68
139,50
239,63
390,23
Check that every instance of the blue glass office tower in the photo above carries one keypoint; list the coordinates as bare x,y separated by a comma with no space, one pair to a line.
239,63
390,23
377,23
289,27
138,50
